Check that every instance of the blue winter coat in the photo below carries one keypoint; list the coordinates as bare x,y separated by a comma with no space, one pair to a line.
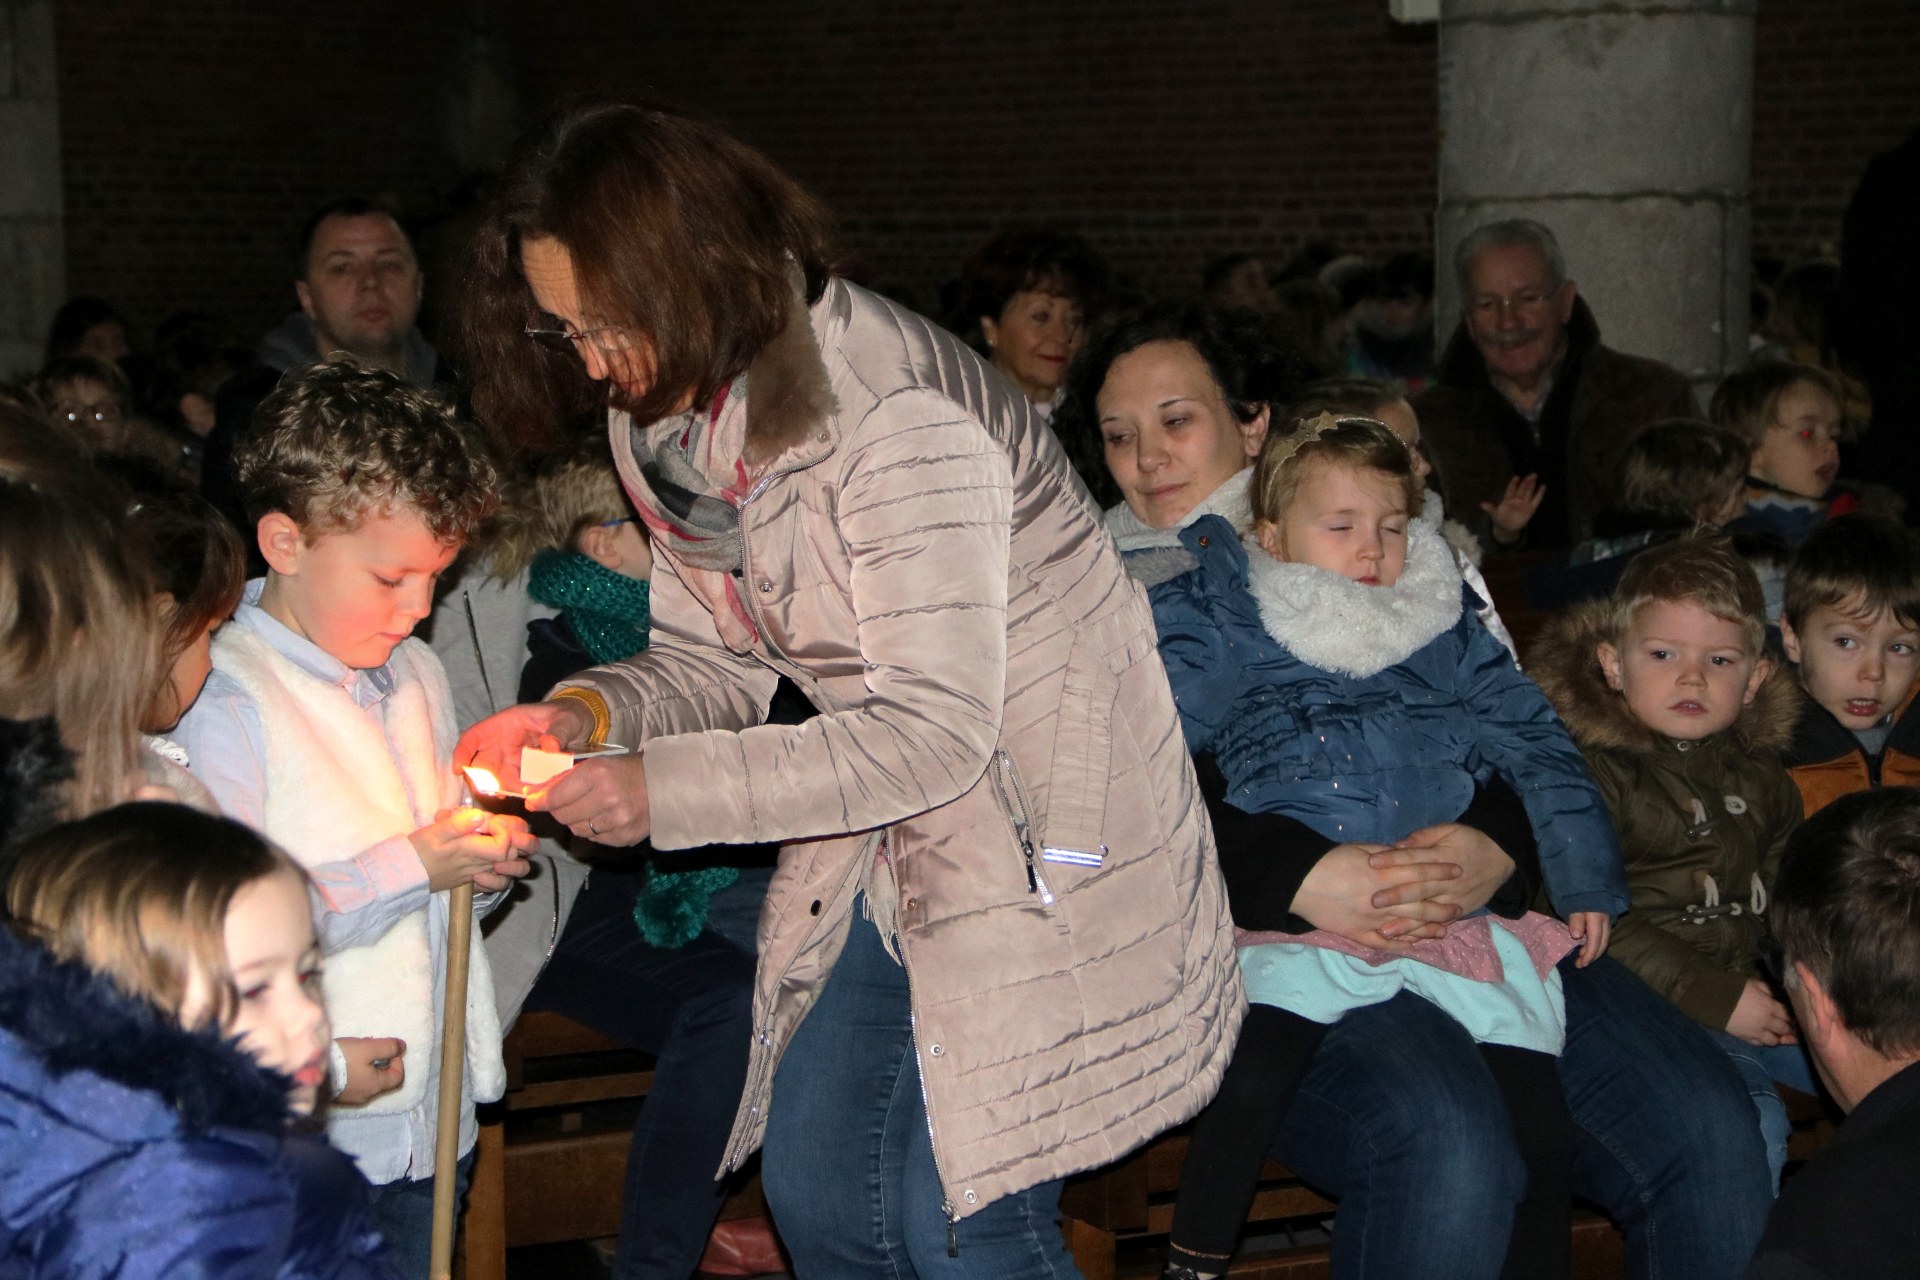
1385,709
132,1149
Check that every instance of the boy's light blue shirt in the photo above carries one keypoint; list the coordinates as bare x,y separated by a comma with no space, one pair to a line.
357,899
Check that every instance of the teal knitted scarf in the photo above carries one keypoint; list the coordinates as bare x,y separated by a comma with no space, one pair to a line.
607,610
608,613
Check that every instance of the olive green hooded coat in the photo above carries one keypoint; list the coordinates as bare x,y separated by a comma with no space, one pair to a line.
1701,824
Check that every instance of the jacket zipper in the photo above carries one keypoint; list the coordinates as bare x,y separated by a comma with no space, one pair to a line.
933,1144
1013,803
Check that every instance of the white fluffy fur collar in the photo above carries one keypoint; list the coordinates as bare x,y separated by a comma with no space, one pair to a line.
1337,624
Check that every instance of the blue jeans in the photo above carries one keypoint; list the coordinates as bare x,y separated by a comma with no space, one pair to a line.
403,1214
692,1008
848,1164
1760,1066
1400,1120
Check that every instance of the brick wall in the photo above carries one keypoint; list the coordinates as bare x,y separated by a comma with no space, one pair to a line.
197,134
1835,82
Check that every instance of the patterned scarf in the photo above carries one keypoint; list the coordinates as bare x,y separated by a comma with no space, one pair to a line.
694,463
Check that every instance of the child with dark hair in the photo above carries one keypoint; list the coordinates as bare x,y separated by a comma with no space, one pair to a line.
1675,475
196,572
1852,629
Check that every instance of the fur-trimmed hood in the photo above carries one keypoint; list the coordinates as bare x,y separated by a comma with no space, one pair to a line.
68,1023
130,1146
1564,663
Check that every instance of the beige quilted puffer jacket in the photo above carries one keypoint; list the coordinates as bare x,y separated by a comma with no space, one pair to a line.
921,560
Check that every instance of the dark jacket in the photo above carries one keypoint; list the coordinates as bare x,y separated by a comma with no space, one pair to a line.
1698,821
1849,1215
1828,762
1598,401
134,1149
1372,757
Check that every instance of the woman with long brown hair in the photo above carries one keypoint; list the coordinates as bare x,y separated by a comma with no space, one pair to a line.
996,949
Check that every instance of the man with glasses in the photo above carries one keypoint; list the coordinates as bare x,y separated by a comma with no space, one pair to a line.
1846,913
1530,413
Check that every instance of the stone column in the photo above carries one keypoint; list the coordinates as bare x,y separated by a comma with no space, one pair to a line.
1626,126
32,252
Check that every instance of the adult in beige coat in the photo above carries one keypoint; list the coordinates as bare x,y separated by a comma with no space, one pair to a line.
996,950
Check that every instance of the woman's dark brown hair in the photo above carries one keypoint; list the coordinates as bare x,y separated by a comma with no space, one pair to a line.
677,231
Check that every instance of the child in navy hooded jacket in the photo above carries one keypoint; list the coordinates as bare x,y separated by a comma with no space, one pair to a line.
1338,675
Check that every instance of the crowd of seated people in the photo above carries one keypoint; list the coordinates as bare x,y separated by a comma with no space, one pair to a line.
1509,915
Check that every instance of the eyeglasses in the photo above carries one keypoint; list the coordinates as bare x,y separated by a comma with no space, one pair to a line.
553,334
1526,301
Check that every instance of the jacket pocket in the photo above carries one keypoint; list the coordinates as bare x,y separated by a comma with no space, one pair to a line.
1014,805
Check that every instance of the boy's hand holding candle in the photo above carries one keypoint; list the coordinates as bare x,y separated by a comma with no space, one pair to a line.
471,845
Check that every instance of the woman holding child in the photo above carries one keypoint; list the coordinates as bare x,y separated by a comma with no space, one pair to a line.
996,950
1399,1113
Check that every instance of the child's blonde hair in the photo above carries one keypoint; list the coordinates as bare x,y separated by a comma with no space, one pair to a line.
1329,441
139,893
1700,569
1747,401
78,637
570,493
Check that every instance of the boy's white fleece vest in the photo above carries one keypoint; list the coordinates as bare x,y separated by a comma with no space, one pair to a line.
335,788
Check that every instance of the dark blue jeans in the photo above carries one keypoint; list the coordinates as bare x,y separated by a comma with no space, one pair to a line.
692,1008
848,1165
1400,1120
403,1214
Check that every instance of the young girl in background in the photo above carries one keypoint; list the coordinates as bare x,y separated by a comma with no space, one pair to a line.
1334,670
160,1031
196,571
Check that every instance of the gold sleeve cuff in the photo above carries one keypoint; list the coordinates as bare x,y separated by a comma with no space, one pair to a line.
595,705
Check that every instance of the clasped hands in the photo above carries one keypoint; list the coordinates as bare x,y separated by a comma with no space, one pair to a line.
603,799
1389,896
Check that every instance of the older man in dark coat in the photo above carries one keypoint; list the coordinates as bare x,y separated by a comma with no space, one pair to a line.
1529,412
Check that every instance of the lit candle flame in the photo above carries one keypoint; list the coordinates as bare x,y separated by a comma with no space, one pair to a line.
482,781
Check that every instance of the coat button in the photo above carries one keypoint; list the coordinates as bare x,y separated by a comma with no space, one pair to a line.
814,910
1205,541
911,903
971,1197
766,588
935,1050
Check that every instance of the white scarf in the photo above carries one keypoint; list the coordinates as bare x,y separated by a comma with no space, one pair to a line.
1331,622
